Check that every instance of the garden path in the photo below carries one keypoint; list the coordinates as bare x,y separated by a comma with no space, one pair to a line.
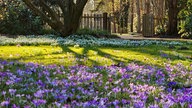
141,37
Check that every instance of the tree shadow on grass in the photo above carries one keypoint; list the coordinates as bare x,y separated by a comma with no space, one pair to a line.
165,55
107,58
115,58
85,58
78,56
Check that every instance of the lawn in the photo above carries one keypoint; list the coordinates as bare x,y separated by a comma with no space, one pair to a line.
48,72
90,56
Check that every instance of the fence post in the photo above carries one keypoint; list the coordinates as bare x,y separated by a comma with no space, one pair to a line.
88,23
109,23
148,25
104,21
91,18
100,22
84,21
95,21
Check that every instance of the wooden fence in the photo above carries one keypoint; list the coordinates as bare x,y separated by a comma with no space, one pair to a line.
148,25
96,21
115,24
103,21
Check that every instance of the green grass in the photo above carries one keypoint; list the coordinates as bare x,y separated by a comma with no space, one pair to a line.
67,56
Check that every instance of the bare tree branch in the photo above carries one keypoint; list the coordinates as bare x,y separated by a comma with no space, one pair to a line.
36,10
49,10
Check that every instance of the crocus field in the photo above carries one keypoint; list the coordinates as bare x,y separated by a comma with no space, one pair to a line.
114,83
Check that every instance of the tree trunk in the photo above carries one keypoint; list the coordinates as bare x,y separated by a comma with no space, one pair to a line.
132,14
138,16
71,13
114,20
172,18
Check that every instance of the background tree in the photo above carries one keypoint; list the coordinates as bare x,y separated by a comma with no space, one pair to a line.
174,7
64,19
119,9
138,16
159,12
121,15
132,14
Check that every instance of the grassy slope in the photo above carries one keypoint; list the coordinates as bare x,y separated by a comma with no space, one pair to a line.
67,56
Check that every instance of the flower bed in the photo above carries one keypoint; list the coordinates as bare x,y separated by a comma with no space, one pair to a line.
83,40
33,85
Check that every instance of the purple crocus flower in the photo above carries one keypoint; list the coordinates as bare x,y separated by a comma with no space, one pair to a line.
190,105
20,72
164,55
169,90
110,79
66,106
86,104
9,82
12,91
57,104
116,90
4,93
126,76
27,106
5,103
116,102
124,101
3,74
39,93
139,104
172,84
28,96
39,82
15,106
38,102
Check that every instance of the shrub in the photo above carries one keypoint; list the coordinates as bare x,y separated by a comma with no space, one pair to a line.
17,19
160,30
48,31
96,33
186,26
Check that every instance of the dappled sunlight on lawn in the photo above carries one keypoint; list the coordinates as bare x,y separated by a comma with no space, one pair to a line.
68,56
